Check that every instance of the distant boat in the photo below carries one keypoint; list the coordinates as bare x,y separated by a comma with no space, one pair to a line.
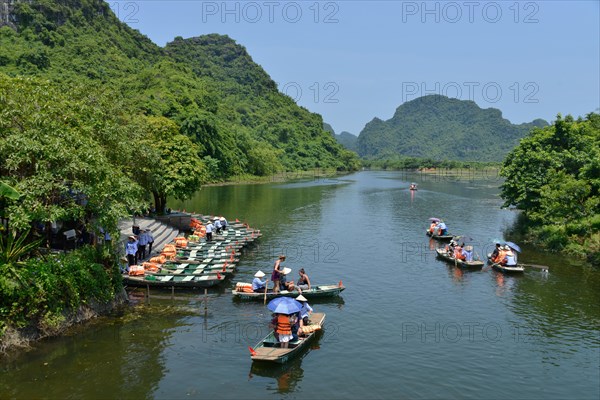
268,349
413,186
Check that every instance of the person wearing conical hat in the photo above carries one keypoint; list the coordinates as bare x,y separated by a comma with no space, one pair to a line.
305,311
283,282
257,284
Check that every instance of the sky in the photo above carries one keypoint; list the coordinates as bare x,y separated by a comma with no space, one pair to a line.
352,61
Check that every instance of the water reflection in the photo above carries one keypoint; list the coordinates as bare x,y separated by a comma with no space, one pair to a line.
288,375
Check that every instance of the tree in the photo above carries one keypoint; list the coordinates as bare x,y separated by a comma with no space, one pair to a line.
57,144
169,162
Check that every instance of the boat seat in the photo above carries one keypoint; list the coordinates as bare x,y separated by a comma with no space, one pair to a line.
193,253
167,278
188,278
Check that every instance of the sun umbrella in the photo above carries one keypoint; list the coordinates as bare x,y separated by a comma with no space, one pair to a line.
513,246
434,219
284,305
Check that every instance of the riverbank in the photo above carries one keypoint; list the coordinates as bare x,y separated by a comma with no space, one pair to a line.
279,177
15,339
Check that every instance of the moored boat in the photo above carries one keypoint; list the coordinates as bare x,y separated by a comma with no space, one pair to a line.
269,350
313,292
189,281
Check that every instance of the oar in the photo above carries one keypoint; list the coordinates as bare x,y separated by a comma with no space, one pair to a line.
544,268
266,287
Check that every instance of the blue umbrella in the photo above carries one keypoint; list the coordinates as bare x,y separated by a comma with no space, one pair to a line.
284,305
513,246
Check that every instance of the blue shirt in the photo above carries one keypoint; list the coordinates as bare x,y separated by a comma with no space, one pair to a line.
305,309
258,284
209,228
131,247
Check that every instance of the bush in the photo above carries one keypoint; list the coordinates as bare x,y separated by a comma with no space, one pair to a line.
56,284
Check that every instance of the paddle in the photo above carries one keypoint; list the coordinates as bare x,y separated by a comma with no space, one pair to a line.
544,268
266,286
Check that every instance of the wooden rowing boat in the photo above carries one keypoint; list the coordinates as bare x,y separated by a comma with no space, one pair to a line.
519,268
268,349
439,237
313,292
193,281
442,253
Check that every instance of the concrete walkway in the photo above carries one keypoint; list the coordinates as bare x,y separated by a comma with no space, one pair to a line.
163,233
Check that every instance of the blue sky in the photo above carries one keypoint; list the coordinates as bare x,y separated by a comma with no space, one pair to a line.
351,61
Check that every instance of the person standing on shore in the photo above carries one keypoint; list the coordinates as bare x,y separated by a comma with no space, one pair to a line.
209,231
142,242
131,250
150,241
218,225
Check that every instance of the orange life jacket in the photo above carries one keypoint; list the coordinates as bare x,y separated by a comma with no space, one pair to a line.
500,256
283,325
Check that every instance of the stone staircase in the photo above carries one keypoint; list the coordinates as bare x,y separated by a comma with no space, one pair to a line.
162,233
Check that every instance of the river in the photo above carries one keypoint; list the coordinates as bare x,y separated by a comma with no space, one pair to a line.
407,326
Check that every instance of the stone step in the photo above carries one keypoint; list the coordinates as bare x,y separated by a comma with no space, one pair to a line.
163,233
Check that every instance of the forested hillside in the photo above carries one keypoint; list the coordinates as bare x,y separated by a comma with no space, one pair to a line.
208,86
441,128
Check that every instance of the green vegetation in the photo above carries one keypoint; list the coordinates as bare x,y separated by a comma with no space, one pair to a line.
412,163
440,128
554,176
209,86
97,122
48,288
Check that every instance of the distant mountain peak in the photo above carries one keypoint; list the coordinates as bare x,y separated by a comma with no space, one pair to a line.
441,127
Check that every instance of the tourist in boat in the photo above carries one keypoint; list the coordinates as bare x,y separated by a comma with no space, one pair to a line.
276,274
432,227
257,284
209,230
283,328
501,255
510,258
496,252
305,311
296,322
283,283
442,228
468,253
458,252
450,247
303,282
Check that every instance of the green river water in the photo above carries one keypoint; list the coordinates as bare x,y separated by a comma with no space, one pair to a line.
407,326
